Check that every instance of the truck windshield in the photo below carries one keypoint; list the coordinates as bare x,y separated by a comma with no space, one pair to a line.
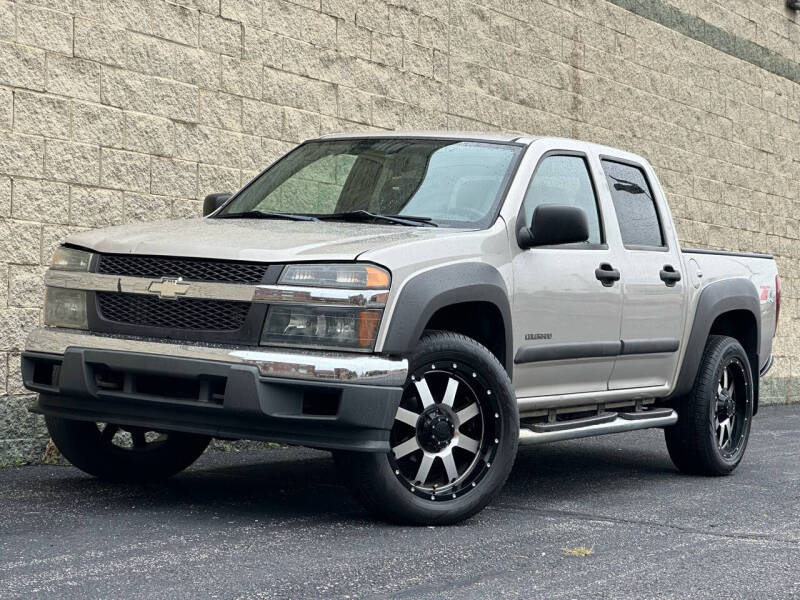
419,182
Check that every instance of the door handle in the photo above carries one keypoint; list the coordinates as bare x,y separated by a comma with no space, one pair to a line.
606,274
669,275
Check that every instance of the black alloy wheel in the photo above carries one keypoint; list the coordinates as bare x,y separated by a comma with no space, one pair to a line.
453,441
446,431
731,415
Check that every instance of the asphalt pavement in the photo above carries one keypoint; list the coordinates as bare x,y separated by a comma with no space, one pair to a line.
598,518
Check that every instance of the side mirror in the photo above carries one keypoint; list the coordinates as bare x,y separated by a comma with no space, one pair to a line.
555,224
213,201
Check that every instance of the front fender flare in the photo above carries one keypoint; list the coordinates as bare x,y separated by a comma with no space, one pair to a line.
432,290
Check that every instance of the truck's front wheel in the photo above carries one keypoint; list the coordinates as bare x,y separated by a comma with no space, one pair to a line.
453,442
714,418
127,454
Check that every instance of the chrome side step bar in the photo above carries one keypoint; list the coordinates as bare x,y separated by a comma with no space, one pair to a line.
541,433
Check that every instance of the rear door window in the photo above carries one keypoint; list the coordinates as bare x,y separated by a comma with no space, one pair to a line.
634,204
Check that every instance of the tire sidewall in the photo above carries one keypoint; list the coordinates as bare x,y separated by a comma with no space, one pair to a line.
81,444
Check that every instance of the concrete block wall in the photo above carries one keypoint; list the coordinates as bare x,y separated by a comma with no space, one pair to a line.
114,111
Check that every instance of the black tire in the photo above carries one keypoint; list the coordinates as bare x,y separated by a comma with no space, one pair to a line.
697,443
381,482
84,444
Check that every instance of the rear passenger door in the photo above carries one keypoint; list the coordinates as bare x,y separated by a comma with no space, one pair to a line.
653,286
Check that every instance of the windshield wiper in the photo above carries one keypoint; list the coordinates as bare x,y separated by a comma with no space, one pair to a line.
261,214
365,215
421,220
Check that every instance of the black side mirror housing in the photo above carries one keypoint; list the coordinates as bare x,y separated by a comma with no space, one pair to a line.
213,201
554,224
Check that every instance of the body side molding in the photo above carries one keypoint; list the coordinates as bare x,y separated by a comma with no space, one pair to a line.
650,346
528,354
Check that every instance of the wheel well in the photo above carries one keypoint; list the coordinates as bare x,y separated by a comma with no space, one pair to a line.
481,321
741,325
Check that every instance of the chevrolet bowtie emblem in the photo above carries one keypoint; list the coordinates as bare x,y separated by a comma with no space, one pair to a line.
169,288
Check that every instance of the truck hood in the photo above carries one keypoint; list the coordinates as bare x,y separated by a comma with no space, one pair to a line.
263,240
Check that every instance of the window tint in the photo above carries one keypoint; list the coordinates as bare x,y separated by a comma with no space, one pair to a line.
634,205
564,180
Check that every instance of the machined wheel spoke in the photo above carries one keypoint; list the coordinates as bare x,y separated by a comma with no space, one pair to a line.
724,428
725,378
109,432
450,392
465,414
425,395
467,443
406,447
450,466
406,416
424,467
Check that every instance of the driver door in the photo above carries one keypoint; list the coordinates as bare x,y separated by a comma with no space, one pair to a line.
566,320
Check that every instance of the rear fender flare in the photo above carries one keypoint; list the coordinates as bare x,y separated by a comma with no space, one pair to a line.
716,299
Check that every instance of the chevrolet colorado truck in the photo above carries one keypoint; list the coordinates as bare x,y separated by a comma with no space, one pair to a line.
417,303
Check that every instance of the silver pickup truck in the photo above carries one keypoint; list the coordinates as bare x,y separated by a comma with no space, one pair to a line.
417,303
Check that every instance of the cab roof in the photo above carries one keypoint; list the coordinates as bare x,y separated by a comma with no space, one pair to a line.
503,137
457,135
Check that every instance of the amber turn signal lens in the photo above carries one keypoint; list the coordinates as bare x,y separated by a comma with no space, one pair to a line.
377,277
368,327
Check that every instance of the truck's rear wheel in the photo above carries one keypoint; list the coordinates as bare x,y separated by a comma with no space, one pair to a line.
714,418
122,453
453,442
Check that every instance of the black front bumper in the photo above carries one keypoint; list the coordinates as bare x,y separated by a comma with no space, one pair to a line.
221,399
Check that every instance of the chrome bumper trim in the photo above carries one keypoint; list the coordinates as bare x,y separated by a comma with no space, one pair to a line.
271,294
291,364
277,294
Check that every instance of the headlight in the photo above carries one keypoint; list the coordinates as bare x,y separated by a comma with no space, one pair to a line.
313,322
352,276
321,327
70,259
65,308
